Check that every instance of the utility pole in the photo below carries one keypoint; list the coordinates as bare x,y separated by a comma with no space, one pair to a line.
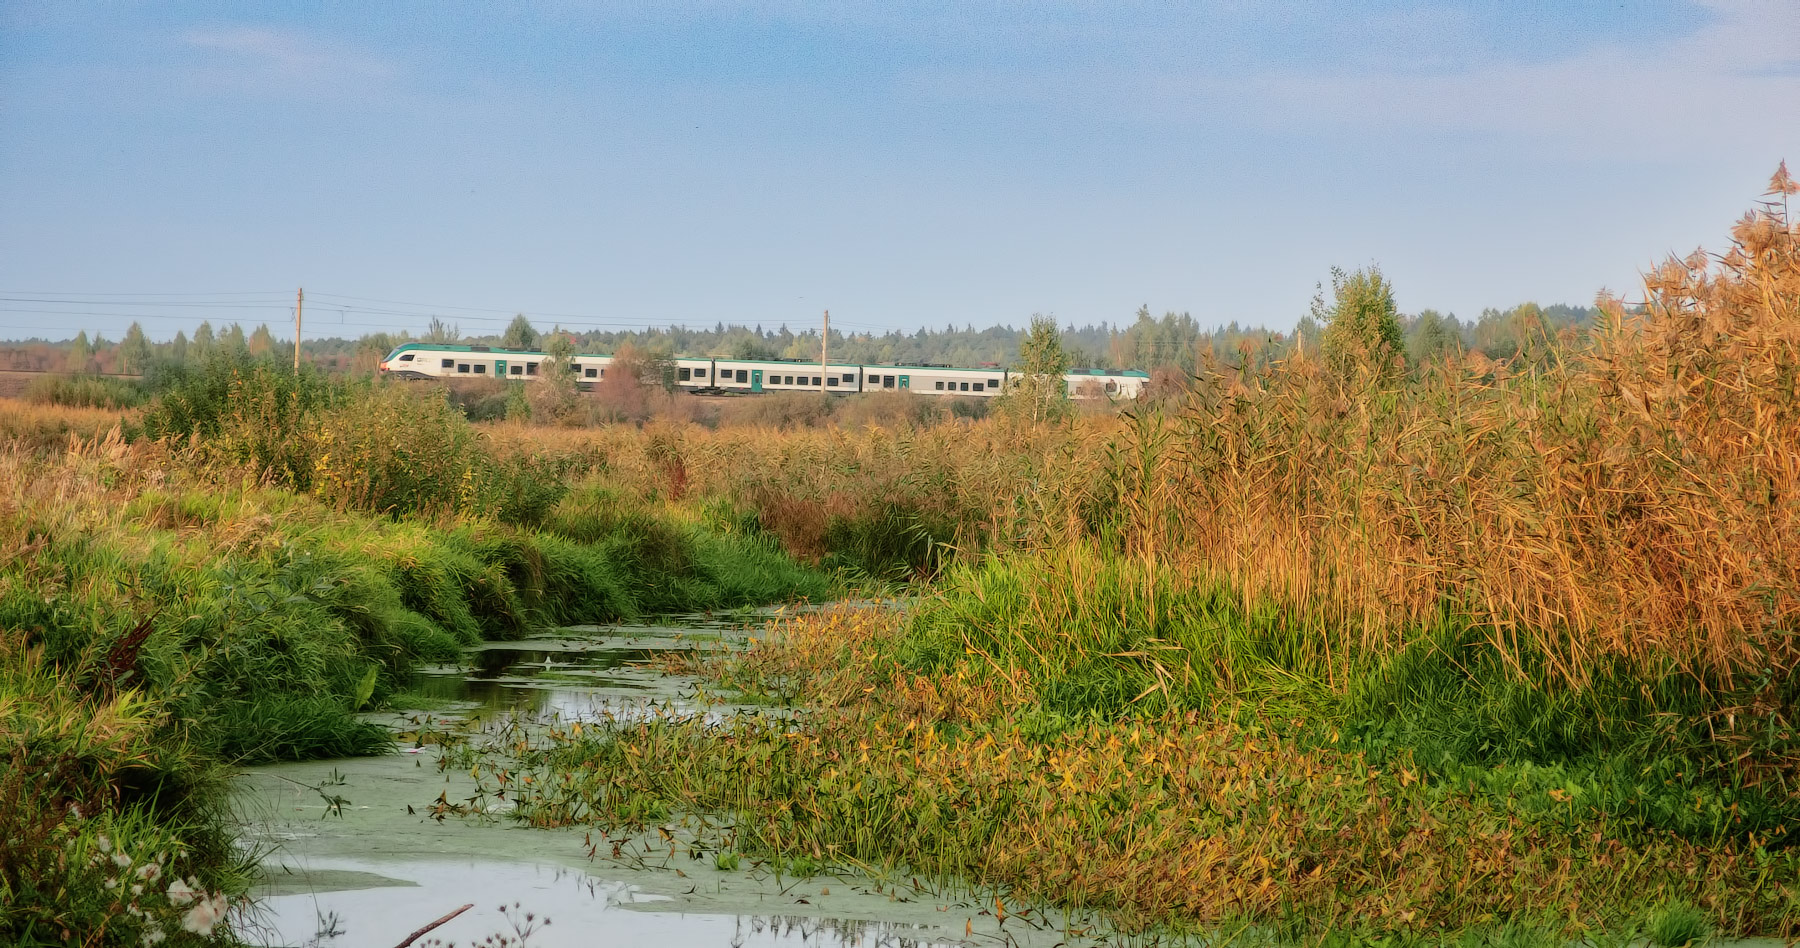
825,356
299,304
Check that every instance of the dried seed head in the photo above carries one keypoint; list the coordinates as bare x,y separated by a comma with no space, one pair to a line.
1783,183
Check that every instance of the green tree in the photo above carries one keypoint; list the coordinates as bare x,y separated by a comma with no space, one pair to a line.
444,333
1433,338
262,342
80,351
178,348
1362,326
204,342
1039,391
520,334
134,351
233,340
555,395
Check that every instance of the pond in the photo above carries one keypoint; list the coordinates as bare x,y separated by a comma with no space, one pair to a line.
373,868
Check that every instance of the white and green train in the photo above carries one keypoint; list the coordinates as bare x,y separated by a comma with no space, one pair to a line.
415,360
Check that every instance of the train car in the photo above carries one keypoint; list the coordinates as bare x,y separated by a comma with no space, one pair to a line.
418,360
1106,383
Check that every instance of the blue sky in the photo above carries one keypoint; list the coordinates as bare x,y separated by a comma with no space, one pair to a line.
904,164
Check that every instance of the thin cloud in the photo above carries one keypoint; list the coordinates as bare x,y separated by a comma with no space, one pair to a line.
1725,78
289,54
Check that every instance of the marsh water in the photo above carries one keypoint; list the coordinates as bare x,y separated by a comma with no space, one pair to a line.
375,868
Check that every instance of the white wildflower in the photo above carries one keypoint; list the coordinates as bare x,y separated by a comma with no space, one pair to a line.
121,860
137,888
149,872
153,935
104,844
181,891
206,913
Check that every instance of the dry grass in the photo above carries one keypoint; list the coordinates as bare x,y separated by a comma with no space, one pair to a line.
1637,499
48,427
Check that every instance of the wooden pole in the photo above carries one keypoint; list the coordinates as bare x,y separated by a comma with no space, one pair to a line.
825,356
299,304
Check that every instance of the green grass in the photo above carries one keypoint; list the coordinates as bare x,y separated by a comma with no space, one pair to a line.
1677,925
1092,637
86,391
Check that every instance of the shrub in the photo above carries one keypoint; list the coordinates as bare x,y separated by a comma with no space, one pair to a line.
85,391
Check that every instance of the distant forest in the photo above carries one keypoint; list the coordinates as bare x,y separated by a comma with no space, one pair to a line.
1173,341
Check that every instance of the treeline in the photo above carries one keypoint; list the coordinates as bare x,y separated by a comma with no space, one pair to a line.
1171,341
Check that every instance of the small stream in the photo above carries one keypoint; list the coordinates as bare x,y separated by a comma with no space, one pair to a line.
380,869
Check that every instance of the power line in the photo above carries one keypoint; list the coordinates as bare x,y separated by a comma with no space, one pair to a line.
97,293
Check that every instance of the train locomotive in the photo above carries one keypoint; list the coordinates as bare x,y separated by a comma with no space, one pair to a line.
415,360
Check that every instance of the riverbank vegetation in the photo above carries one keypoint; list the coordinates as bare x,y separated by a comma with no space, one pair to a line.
232,574
1351,634
1339,642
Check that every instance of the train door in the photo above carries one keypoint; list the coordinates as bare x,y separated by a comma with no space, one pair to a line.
906,381
500,368
755,380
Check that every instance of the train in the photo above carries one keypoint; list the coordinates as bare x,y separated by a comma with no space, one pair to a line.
416,360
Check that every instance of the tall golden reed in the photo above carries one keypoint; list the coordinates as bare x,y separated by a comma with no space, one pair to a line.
1635,498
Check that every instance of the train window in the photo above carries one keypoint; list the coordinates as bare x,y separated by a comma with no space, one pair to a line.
887,381
699,373
831,381
994,383
818,382
683,374
407,357
481,368
516,369
977,386
849,379
447,364
592,372
743,375
463,367
939,385
531,368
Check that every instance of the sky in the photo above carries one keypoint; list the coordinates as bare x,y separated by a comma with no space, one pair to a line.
620,164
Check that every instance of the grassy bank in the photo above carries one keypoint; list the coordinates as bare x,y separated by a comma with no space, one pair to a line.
1424,652
1270,800
261,559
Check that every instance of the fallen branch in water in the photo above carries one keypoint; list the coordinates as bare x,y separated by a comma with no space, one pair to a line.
416,935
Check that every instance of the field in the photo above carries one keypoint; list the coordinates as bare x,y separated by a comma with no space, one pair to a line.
1321,648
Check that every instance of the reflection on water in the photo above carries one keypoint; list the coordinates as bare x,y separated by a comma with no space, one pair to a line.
582,910
584,673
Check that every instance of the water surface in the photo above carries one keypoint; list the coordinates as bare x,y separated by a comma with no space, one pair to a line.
378,868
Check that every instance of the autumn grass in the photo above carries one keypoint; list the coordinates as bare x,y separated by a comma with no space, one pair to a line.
49,427
1633,498
887,503
234,578
1166,819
